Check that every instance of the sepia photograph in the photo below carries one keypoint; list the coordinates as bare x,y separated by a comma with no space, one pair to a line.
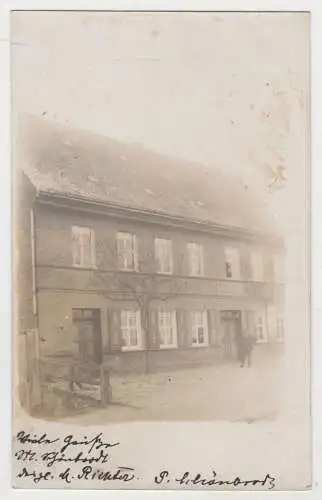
160,172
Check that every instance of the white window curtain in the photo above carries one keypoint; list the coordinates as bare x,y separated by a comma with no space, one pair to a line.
232,257
167,326
163,254
83,246
195,251
126,251
199,328
131,329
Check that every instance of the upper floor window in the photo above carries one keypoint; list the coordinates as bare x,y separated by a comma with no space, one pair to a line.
232,263
163,253
260,329
279,328
167,328
278,267
195,251
83,246
257,266
131,329
199,330
126,245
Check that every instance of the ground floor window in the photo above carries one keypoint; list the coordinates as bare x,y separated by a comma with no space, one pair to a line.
167,329
280,328
260,329
131,329
199,330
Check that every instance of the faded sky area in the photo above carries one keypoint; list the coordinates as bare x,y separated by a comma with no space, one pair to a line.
228,90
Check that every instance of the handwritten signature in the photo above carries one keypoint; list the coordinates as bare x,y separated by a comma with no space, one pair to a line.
189,479
70,459
87,473
94,443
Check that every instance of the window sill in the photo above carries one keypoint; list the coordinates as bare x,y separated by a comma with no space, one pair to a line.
132,349
167,347
197,346
83,266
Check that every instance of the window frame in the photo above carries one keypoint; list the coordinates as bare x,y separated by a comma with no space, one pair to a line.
257,258
260,324
204,325
127,236
192,245
157,248
280,326
79,232
232,261
278,267
173,317
139,346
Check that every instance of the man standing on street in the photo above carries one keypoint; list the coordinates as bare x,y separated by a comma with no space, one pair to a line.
246,347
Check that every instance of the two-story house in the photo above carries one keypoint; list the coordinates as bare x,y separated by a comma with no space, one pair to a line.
139,260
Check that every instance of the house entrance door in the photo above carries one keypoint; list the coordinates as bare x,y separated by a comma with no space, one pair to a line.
232,333
88,331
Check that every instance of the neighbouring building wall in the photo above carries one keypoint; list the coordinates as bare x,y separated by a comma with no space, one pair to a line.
24,317
23,205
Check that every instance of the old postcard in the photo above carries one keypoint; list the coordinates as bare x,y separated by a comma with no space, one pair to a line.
160,167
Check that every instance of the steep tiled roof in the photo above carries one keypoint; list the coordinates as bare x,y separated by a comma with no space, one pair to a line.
73,162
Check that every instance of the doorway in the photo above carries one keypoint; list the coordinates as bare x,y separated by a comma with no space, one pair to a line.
88,334
231,321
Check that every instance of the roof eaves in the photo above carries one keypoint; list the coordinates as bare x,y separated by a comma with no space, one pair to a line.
57,198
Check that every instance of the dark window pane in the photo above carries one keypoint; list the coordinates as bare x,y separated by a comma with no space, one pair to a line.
200,336
77,313
228,270
87,313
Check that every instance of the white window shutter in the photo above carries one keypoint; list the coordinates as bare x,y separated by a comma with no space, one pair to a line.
237,264
120,250
93,247
174,328
76,247
139,328
135,253
169,243
205,322
158,253
201,253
